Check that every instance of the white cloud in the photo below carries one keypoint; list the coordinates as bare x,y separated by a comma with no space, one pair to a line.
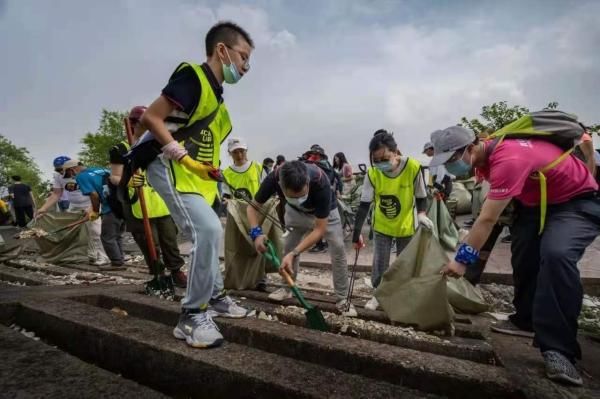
333,78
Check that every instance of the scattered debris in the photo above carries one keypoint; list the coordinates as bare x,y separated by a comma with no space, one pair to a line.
17,283
35,232
358,327
28,334
119,311
589,319
499,297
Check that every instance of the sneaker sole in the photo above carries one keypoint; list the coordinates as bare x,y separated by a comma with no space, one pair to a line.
519,333
214,313
280,299
564,379
178,334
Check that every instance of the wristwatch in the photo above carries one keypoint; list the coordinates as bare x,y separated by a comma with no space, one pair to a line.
295,252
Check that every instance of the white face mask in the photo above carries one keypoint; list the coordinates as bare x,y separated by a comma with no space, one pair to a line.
297,201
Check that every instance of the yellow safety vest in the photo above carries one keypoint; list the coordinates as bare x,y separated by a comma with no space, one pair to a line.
393,214
248,180
208,141
155,205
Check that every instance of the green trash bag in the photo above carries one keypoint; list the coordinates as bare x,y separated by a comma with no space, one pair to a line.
462,295
462,196
244,267
412,290
465,297
443,226
67,246
9,250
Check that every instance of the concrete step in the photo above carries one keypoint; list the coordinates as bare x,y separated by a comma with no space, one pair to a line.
33,369
20,276
428,372
145,351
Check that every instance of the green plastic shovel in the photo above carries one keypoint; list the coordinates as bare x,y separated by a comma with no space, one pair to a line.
314,317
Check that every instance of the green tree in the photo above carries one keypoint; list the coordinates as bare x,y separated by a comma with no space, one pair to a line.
17,161
96,145
496,116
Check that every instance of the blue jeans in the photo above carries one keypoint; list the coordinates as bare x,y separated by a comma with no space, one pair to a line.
197,220
382,248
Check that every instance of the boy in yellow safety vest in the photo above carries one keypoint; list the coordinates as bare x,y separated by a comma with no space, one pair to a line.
182,173
397,186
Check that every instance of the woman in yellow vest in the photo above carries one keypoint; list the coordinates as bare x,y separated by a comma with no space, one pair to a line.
243,176
396,184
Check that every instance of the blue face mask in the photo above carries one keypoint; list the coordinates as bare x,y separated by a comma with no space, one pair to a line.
384,166
459,167
230,72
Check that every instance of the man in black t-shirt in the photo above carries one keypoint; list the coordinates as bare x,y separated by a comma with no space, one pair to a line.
310,213
23,201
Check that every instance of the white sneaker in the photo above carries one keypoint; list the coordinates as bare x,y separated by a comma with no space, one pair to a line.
198,330
345,310
280,294
224,306
99,262
372,304
285,234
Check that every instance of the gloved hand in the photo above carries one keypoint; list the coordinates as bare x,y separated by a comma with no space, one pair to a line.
360,243
93,215
425,221
137,180
200,169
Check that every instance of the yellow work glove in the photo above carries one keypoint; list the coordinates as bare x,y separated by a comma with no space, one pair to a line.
93,215
198,168
137,180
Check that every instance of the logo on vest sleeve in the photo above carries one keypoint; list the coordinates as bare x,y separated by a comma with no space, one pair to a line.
389,205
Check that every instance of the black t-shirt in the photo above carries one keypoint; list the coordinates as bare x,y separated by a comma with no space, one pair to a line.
320,196
184,90
21,195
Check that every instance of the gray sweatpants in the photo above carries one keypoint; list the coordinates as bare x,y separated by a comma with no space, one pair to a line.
382,249
197,220
112,237
302,223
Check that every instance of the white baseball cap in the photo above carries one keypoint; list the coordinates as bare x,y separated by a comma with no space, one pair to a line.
235,144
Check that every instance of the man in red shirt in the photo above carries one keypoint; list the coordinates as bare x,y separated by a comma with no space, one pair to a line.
548,290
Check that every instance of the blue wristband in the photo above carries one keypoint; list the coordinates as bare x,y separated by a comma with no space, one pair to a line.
467,255
255,232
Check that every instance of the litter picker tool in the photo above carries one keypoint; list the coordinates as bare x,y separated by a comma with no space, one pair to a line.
218,176
314,317
160,284
353,276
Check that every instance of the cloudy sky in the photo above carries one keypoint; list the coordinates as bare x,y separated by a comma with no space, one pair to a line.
327,72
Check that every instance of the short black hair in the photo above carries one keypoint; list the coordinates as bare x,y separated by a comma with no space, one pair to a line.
382,138
268,160
225,32
293,175
16,178
280,159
